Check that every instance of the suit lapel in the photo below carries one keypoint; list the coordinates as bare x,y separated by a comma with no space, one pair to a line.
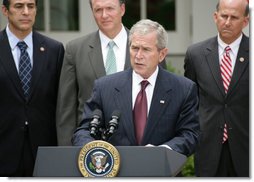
127,59
212,58
95,56
161,99
123,98
8,63
40,52
240,66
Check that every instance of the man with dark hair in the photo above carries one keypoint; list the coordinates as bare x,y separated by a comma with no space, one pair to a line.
6,3
30,66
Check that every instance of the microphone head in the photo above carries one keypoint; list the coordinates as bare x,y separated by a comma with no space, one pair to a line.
95,123
116,114
97,113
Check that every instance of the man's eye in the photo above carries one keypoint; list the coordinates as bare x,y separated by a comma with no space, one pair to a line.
18,6
134,48
224,16
31,6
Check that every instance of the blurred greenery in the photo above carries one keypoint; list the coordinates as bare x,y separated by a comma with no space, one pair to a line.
188,169
172,69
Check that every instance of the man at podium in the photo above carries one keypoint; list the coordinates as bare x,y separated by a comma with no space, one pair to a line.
144,105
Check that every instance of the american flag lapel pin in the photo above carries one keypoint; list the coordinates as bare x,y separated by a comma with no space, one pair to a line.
42,49
162,101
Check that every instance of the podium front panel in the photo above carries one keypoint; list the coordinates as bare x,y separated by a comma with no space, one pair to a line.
135,161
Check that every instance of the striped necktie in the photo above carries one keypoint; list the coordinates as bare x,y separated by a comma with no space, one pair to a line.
226,69
226,73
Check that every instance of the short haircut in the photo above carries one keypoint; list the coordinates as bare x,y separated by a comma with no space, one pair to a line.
146,26
6,3
246,13
120,1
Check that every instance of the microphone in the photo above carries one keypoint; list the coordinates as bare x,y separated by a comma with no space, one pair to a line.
94,124
113,124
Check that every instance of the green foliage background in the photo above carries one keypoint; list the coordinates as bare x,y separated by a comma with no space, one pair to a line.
188,169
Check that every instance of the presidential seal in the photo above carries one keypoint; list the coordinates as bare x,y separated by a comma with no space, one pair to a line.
99,159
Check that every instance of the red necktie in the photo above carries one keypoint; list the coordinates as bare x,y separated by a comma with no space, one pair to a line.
140,111
226,68
226,73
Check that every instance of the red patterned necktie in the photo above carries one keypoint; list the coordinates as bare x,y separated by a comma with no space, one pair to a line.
226,73
140,111
226,69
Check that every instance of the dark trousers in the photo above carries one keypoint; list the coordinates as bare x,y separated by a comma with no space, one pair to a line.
226,167
26,164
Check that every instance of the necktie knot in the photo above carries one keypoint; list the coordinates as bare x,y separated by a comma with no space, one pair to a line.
111,44
22,46
144,84
111,59
227,49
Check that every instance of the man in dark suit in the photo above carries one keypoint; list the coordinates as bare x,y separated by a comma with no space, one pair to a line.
224,109
171,118
27,114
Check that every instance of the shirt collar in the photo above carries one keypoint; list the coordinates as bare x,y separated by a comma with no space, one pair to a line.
118,39
234,45
13,40
137,79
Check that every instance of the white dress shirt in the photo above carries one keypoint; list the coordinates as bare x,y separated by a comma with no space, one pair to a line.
136,87
119,49
234,49
13,40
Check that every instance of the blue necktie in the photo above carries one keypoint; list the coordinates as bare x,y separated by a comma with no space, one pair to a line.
111,59
25,68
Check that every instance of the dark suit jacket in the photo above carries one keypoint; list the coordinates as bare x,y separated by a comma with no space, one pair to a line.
83,63
38,111
173,123
216,108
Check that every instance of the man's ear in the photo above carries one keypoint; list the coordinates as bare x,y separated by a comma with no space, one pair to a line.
163,54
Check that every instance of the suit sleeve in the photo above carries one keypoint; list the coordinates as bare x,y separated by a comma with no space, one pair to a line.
189,70
82,135
187,126
66,116
60,60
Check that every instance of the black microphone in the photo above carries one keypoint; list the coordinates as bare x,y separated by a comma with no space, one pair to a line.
113,124
95,123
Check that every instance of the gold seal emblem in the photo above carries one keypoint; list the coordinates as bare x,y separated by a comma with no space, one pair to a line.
99,159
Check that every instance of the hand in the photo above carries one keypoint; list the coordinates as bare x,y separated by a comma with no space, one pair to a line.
149,145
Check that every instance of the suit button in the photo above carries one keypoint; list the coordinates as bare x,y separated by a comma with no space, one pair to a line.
26,123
